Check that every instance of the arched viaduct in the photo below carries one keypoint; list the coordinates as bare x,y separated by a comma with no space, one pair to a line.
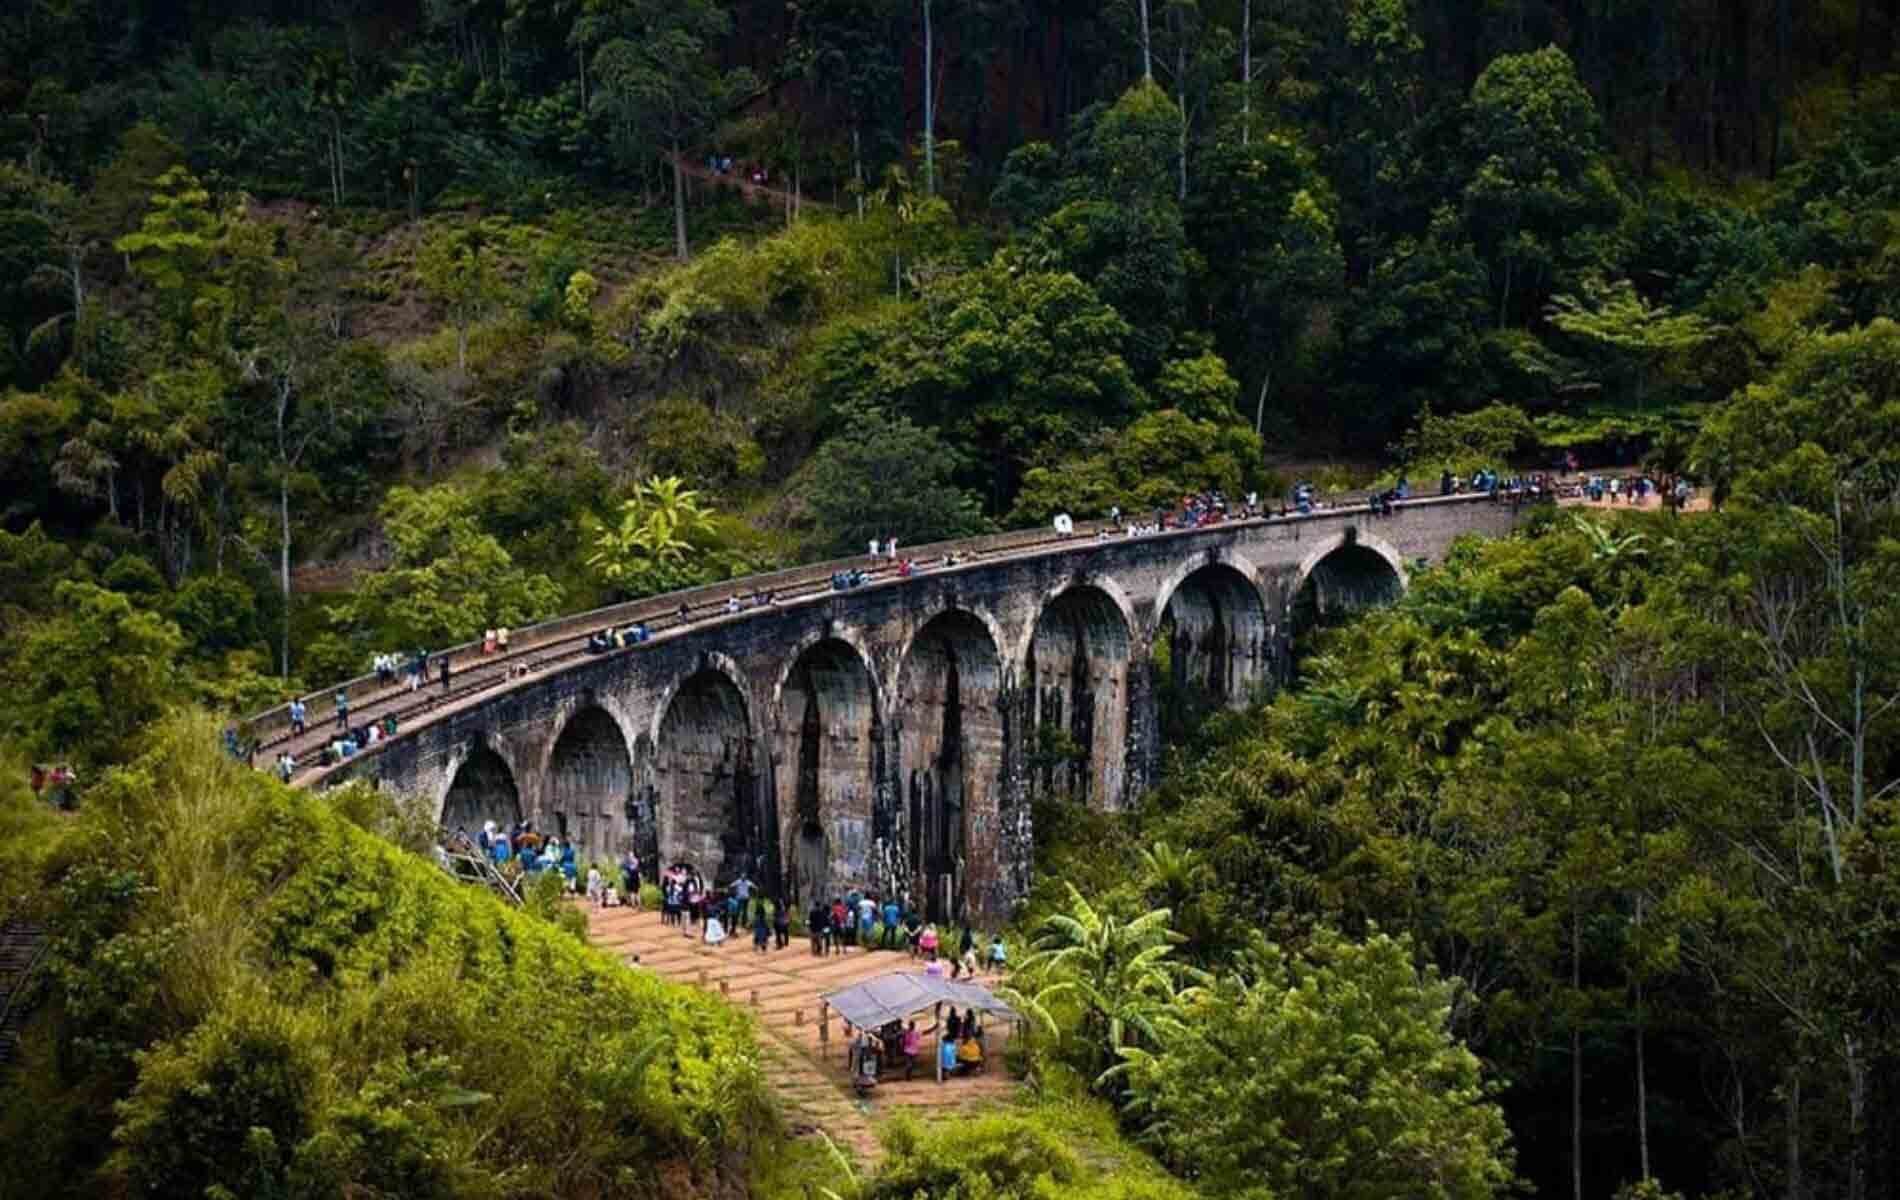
894,736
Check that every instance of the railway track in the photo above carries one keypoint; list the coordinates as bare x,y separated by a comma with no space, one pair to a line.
555,644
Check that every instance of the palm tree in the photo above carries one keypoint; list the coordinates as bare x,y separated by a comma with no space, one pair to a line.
1120,973
663,528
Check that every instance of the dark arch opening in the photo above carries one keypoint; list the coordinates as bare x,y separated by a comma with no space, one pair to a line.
1214,648
828,732
590,777
1350,580
483,790
708,797
1077,673
950,755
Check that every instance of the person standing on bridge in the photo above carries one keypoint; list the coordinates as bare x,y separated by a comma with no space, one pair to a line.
297,713
781,924
342,708
444,663
501,639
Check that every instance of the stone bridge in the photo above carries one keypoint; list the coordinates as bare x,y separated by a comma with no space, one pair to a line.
895,736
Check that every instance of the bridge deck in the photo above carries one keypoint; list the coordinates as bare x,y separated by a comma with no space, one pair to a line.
551,646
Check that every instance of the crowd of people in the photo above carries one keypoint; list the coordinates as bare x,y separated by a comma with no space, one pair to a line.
520,849
899,1045
1636,489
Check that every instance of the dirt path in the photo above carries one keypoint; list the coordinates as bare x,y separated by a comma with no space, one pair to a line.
781,989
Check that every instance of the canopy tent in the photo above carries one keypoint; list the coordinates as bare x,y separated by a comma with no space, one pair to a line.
902,994
875,1003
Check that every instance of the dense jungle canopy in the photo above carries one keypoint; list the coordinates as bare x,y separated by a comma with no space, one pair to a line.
331,328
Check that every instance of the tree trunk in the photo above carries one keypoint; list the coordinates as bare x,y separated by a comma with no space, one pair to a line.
283,564
1642,1088
1246,72
1856,1114
461,347
1147,58
74,261
1180,92
1576,1059
1791,1103
857,167
679,205
930,108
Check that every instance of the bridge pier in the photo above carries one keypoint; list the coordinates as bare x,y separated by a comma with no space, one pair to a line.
895,736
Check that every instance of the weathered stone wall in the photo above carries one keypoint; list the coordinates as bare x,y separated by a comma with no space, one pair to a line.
886,737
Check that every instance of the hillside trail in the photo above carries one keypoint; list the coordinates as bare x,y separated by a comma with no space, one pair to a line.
789,201
781,988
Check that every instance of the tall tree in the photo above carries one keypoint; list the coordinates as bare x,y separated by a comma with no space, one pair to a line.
657,73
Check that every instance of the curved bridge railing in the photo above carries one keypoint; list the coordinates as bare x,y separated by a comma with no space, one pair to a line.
561,641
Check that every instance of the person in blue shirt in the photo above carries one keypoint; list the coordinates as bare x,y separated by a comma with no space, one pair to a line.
947,1056
892,933
567,860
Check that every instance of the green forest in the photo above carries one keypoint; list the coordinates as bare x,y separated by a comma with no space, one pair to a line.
329,329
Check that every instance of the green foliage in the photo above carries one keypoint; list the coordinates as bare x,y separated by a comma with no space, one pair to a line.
883,476
1102,982
318,1013
1002,1157
1490,437
1540,188
1328,1072
447,580
1149,465
1614,316
665,540
220,1111
89,678
1011,365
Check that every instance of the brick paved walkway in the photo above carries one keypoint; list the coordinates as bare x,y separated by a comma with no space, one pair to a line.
781,987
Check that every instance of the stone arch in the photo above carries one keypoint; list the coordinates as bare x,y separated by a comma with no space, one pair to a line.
589,781
480,787
948,708
1351,537
827,731
1215,635
1076,663
706,796
1347,574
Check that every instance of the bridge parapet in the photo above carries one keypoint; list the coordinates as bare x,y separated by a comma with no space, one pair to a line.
1032,664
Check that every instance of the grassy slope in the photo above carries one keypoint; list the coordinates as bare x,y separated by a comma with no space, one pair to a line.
413,1024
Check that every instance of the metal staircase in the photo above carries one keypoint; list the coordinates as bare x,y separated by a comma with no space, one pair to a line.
22,949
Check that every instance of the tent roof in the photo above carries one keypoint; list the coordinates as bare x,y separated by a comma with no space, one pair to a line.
900,994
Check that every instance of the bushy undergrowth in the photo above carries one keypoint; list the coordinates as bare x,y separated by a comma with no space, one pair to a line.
262,999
